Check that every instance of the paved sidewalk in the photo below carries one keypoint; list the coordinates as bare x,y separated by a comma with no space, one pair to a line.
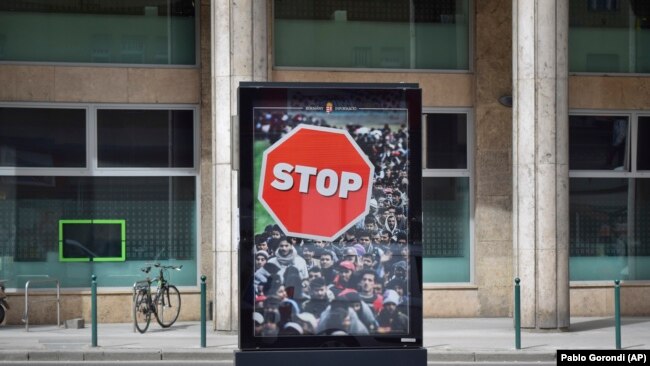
468,339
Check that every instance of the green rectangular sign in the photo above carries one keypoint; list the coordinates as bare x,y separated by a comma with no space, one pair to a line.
92,240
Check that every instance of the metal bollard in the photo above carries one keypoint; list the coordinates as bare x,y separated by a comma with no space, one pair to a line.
93,309
617,312
203,311
517,314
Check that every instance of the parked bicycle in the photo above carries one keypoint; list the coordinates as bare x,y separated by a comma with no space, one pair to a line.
4,304
164,303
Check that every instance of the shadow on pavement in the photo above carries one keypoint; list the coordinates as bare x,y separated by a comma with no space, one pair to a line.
603,323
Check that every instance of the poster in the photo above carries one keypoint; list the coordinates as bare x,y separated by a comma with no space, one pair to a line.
330,216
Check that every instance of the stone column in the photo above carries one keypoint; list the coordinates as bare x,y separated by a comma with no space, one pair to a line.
239,53
540,161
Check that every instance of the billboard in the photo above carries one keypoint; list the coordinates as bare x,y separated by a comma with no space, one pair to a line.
330,215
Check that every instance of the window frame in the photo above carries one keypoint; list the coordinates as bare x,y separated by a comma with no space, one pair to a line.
631,175
92,170
454,173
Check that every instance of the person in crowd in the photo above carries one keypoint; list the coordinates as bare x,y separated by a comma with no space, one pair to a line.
293,284
291,329
261,243
262,277
327,260
350,255
308,251
274,239
320,297
399,286
365,239
308,322
288,310
258,322
343,279
367,280
274,287
363,311
390,319
350,237
261,257
315,272
385,240
339,319
400,215
286,255
391,225
371,223
271,316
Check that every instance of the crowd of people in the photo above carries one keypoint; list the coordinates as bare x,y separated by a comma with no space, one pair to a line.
356,284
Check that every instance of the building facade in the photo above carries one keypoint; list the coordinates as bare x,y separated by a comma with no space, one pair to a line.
127,110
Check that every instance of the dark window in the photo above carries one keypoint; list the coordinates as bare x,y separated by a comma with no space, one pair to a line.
446,141
598,143
42,137
145,138
643,144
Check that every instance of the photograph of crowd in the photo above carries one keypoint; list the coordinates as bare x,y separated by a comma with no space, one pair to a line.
357,284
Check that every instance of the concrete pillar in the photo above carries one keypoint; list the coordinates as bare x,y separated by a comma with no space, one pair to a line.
239,53
540,161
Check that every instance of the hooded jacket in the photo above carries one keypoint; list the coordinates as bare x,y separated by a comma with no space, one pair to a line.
291,259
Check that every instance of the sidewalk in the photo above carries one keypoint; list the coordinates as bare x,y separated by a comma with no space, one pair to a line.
468,340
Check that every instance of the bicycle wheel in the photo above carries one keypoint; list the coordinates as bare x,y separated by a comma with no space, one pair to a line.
168,306
141,311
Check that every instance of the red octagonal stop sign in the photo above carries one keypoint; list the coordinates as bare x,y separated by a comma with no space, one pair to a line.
316,182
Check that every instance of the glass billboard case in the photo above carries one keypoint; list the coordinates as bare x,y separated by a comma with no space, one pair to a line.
330,217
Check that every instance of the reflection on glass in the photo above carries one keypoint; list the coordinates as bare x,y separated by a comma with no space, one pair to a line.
133,32
391,34
445,229
643,147
446,141
609,36
145,138
599,240
598,143
641,244
598,209
42,137
605,243
159,215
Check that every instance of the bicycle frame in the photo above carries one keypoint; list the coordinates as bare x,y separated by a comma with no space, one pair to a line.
147,301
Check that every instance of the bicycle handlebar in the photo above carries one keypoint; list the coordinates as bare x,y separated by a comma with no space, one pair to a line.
158,265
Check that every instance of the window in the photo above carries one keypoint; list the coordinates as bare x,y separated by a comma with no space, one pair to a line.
609,200
168,142
151,186
609,36
387,34
44,137
446,197
155,32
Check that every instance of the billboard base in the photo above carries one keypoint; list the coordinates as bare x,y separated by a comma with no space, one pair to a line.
329,357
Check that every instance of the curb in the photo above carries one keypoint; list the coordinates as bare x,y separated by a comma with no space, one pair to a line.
505,356
225,356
